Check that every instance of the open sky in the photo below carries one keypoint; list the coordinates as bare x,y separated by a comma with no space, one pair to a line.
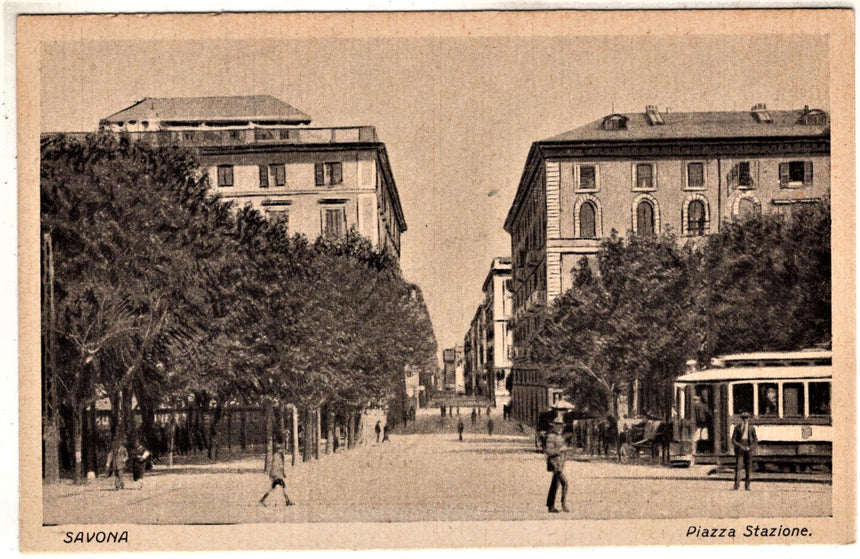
457,114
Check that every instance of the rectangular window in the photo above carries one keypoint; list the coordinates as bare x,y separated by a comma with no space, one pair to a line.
335,171
742,398
743,176
264,176
695,175
585,177
644,176
279,174
819,398
792,399
225,175
326,174
334,223
768,399
795,174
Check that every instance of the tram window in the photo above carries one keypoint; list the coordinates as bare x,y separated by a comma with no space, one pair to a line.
742,399
792,399
768,399
819,398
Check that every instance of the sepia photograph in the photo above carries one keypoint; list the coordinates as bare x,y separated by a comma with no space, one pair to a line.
436,279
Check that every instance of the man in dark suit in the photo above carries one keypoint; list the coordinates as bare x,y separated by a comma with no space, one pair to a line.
555,448
744,441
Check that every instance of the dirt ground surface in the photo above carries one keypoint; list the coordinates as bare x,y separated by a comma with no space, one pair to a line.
429,477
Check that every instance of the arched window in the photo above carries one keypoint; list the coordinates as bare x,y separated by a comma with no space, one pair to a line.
587,221
696,218
645,218
748,208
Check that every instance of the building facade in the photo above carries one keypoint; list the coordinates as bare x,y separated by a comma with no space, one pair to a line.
488,342
648,173
453,377
259,151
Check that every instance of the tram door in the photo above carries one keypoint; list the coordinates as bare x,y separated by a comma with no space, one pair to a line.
703,418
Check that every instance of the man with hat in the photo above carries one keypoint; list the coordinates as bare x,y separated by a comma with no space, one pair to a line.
555,449
744,441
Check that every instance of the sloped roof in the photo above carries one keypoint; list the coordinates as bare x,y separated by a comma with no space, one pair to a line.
722,124
211,109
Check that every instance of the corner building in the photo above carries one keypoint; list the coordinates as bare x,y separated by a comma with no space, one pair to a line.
647,173
258,150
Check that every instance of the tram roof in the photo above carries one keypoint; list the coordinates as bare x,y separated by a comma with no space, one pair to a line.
758,373
816,357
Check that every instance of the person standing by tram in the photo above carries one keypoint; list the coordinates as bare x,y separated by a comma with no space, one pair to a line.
744,440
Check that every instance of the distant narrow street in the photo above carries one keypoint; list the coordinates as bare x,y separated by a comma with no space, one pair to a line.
427,477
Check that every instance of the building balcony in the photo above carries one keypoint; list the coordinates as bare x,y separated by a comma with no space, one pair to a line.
536,301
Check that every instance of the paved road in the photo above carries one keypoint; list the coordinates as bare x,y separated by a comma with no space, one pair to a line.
428,477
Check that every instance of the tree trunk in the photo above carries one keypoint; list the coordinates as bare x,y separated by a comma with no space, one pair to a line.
243,423
329,434
229,429
51,438
93,442
128,423
317,432
294,435
282,427
77,428
171,437
350,433
306,435
214,431
269,429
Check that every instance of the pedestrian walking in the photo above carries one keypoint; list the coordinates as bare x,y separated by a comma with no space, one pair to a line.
385,433
277,475
490,427
378,430
460,428
744,440
555,449
488,411
442,409
116,460
458,411
139,458
474,417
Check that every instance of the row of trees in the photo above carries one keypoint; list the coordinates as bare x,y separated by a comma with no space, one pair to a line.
762,284
157,292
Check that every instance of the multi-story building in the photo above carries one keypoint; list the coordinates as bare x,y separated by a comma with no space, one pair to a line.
487,344
259,150
453,372
646,173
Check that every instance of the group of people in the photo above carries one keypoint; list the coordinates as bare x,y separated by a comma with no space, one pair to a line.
117,461
461,427
744,441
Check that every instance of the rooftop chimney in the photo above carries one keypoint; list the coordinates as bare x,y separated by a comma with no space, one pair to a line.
653,114
760,113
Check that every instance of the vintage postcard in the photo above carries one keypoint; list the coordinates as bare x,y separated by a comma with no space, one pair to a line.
294,281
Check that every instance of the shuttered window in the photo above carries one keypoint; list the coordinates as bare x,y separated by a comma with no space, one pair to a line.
279,174
695,175
587,221
645,218
225,175
334,223
327,174
264,176
795,174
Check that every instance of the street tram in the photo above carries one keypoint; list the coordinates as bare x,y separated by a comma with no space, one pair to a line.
787,393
